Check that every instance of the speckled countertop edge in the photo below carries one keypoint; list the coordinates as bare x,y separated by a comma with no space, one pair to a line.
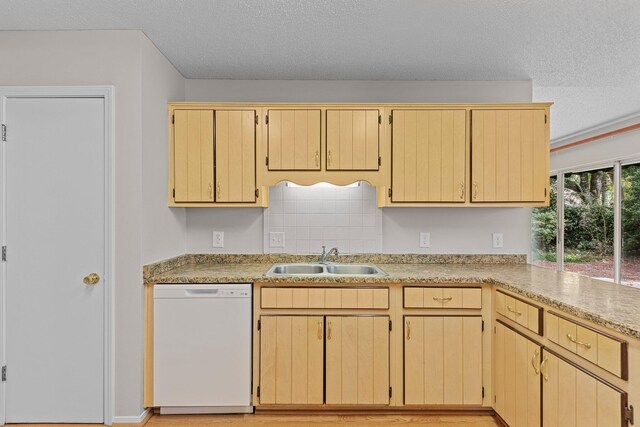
603,303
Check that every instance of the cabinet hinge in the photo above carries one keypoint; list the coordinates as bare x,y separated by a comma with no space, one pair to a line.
266,119
390,192
257,193
256,120
545,192
4,133
266,160
379,160
390,119
628,410
495,330
173,119
259,329
545,119
483,326
258,391
390,392
4,253
390,325
483,392
379,119
4,376
174,193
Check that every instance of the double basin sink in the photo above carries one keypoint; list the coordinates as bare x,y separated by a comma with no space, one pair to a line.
331,269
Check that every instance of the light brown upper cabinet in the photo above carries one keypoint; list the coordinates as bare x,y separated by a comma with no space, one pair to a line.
509,156
293,139
353,139
193,155
235,156
429,156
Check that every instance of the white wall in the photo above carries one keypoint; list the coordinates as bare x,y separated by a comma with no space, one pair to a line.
122,59
453,230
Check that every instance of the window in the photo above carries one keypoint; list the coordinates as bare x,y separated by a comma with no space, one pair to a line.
630,224
544,230
588,223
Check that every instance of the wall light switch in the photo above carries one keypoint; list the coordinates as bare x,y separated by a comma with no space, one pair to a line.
276,239
218,239
425,240
498,240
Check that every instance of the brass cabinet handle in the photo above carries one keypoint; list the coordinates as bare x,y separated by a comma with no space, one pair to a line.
329,158
91,279
408,330
442,299
210,191
575,341
317,158
329,331
517,313
475,190
544,374
319,329
533,362
218,191
461,191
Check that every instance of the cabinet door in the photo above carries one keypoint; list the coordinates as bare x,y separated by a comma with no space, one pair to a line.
517,379
293,139
429,156
510,156
353,139
357,367
572,397
443,360
235,149
193,155
291,359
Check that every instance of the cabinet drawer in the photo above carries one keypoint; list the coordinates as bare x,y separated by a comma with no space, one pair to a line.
317,297
599,348
442,297
520,311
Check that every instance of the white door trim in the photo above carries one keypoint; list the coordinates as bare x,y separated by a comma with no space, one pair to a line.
107,93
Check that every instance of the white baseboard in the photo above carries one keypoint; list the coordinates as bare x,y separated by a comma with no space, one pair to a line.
133,419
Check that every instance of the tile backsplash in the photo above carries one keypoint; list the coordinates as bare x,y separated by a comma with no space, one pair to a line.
342,217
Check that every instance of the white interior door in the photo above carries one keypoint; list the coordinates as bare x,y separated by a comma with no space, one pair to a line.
55,236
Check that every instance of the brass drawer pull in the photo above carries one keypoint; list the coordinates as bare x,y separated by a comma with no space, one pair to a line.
544,374
475,190
408,330
329,331
442,299
329,159
573,340
218,191
317,158
319,329
533,362
461,191
517,313
210,191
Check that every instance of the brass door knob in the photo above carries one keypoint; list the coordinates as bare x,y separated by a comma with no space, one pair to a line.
91,279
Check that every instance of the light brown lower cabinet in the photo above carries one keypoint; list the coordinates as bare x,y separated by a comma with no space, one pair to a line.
517,377
572,397
291,360
357,365
443,360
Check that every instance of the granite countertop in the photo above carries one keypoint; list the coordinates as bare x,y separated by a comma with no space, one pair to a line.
606,304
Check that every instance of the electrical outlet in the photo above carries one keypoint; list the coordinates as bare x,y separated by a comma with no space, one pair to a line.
276,239
425,240
218,239
498,240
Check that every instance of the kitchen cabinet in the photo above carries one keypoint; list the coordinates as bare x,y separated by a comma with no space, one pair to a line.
517,388
293,139
573,397
428,156
235,156
318,297
510,156
357,365
193,155
447,297
291,359
353,139
524,313
443,360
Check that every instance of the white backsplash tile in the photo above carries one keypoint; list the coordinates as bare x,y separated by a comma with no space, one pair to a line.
346,217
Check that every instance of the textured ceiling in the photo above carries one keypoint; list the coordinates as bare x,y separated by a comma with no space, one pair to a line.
583,55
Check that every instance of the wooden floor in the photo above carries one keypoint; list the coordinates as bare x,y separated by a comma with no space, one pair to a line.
307,420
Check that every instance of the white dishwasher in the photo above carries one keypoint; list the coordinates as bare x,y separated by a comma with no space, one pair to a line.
202,348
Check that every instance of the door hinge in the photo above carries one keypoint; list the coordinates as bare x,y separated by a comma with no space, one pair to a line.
266,119
545,192
256,120
628,410
379,119
390,192
483,326
545,119
266,160
379,160
4,376
390,119
258,391
174,193
390,325
4,133
483,392
4,253
390,392
257,193
259,329
173,119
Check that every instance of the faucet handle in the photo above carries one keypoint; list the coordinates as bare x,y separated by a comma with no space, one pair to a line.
323,249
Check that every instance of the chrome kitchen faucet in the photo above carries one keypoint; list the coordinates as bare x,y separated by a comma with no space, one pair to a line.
324,256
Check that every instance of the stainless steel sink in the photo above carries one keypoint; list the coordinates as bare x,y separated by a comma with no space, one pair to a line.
326,270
